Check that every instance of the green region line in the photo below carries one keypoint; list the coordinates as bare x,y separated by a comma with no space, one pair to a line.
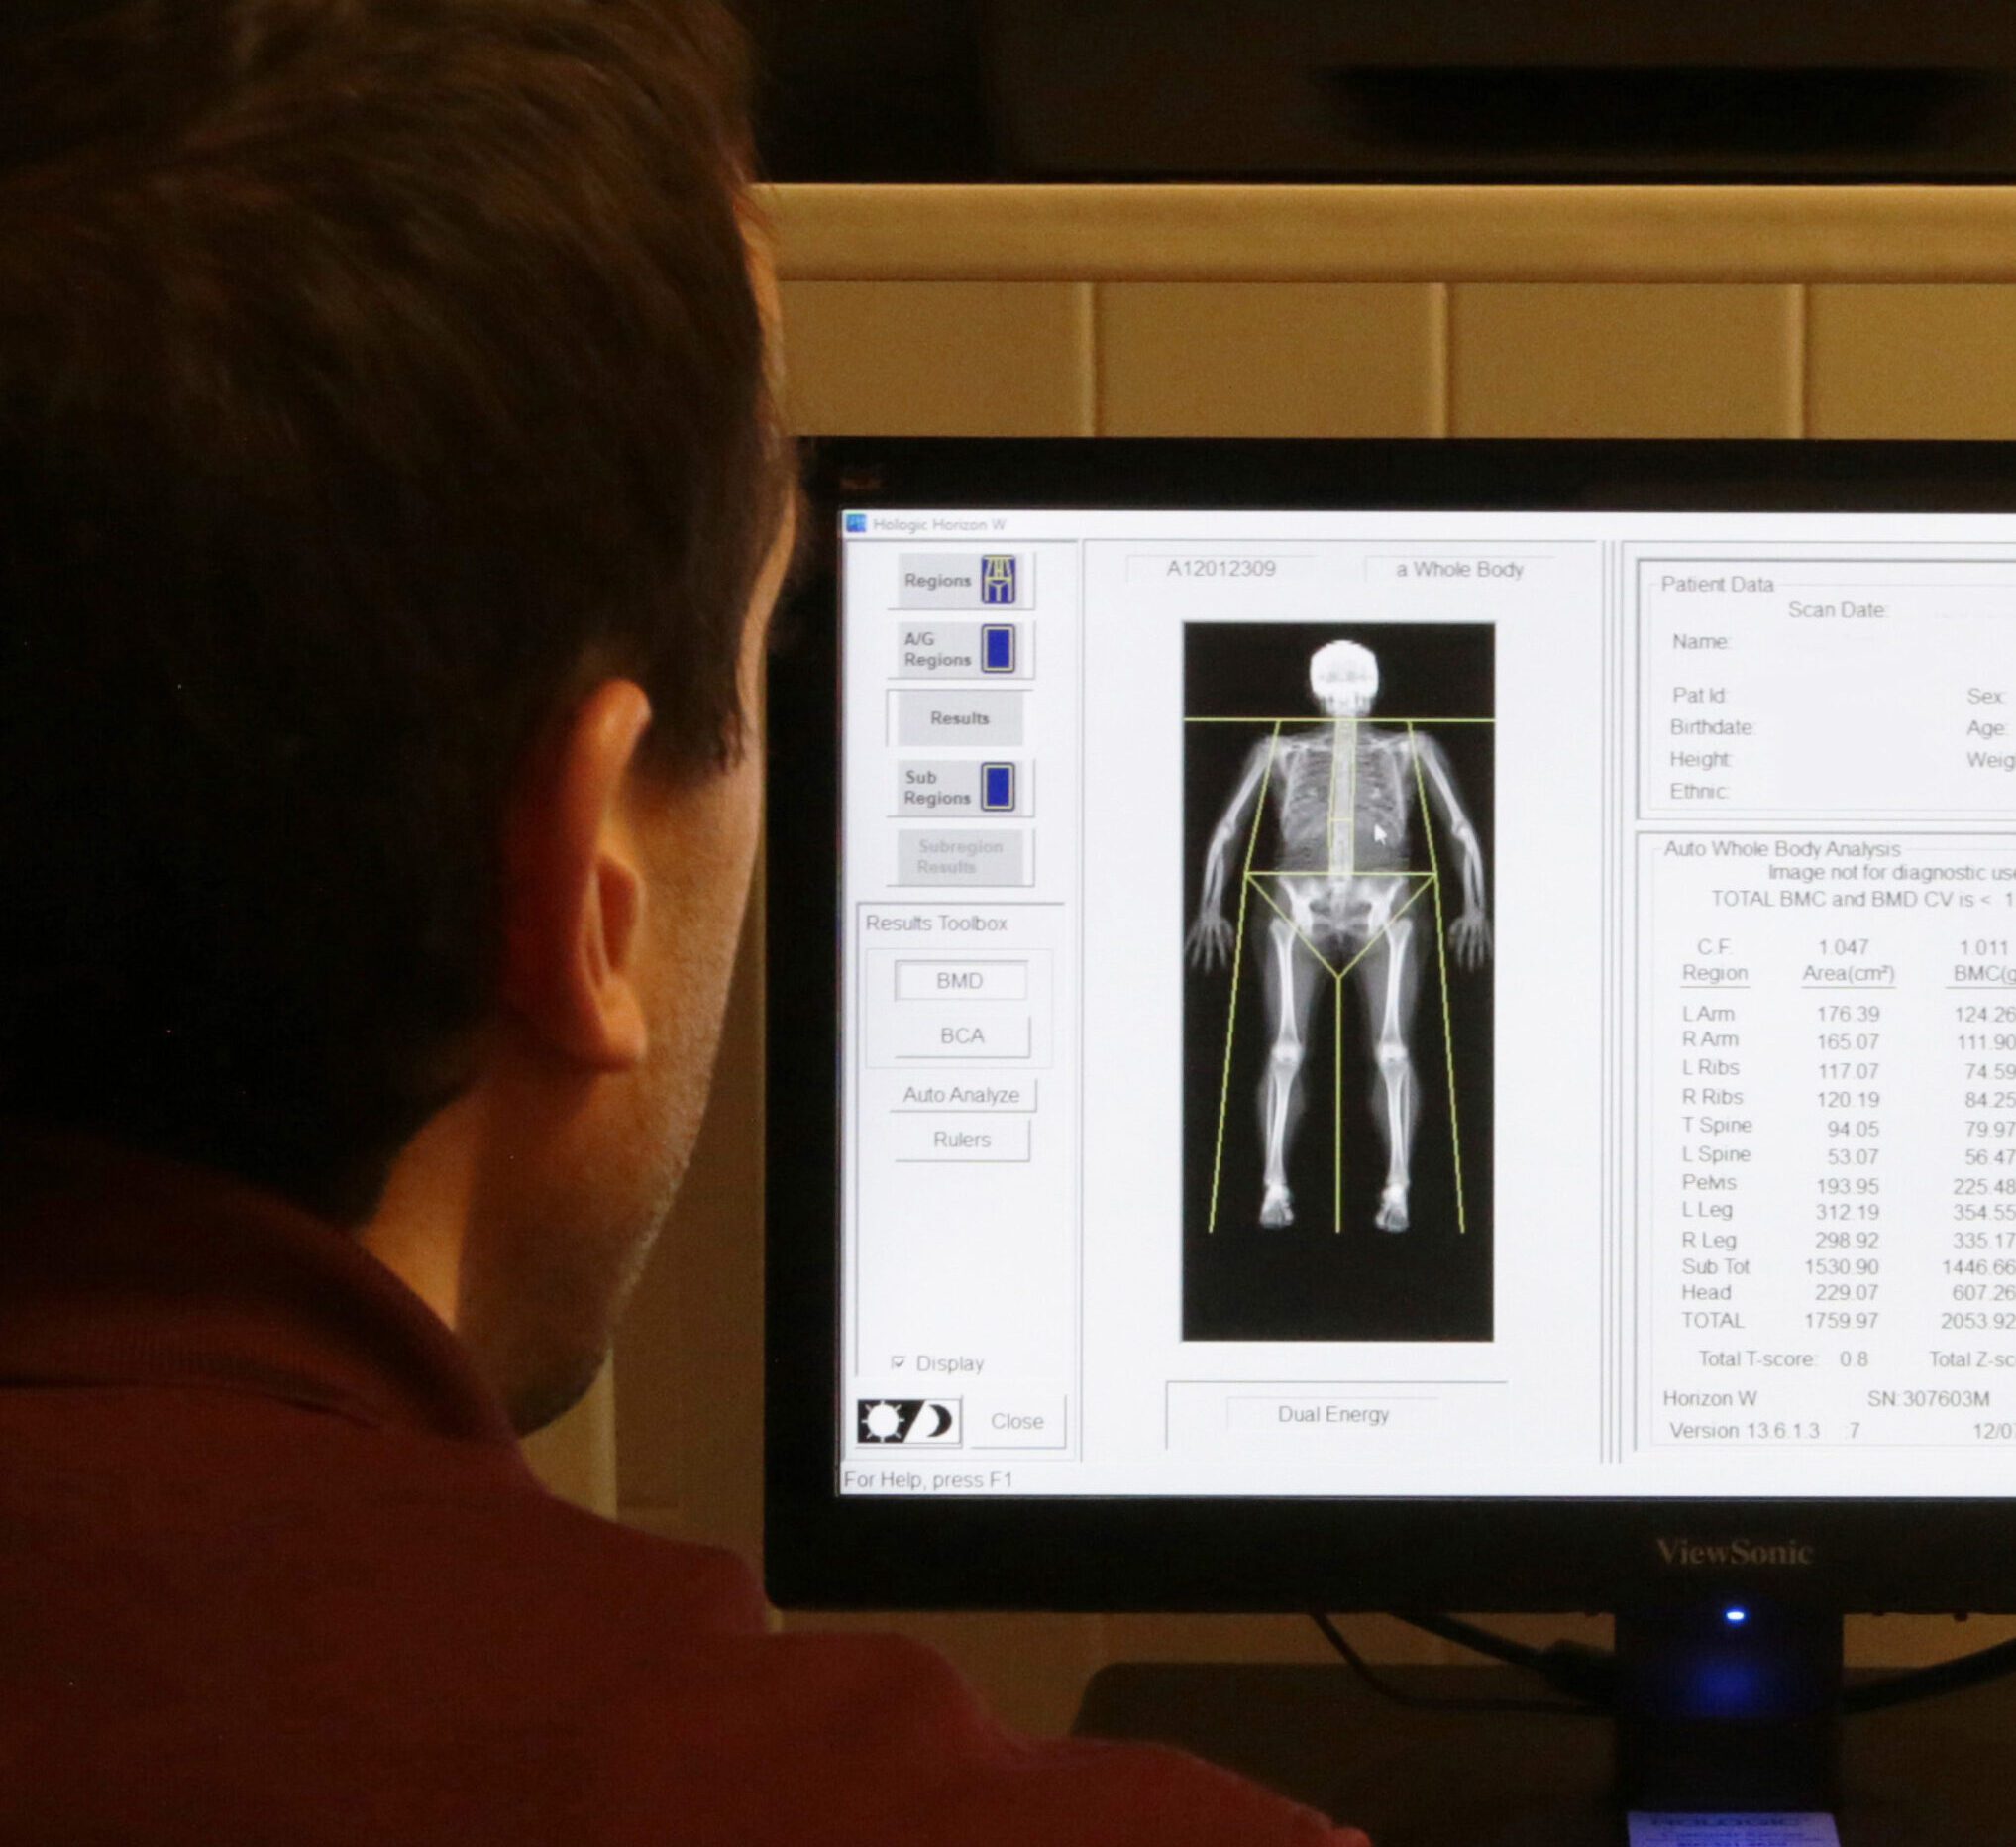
1225,1097
1292,925
1378,936
1338,1105
1330,832
1250,880
1338,1065
1442,963
1429,881
1353,824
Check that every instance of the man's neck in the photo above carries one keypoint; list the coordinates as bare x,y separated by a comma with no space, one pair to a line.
420,1228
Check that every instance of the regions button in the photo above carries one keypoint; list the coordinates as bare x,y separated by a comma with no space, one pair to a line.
962,856
965,581
959,1138
990,719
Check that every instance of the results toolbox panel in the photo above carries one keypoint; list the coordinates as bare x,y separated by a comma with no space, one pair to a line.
962,1335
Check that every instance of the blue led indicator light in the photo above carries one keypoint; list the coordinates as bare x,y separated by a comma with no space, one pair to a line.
1736,1616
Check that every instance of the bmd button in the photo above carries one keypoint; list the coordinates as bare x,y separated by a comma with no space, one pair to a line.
992,979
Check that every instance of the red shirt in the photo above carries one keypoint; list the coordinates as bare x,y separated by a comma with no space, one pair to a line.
273,1571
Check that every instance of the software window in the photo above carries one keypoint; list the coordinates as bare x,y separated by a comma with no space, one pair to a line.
1428,1003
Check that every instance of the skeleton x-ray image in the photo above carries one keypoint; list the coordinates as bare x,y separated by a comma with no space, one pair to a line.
1337,988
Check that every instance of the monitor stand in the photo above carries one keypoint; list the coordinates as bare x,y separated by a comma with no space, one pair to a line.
1915,1776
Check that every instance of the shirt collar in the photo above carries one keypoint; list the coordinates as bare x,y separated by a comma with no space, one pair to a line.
122,1268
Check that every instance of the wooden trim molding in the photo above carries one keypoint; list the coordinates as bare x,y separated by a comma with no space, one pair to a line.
1397,234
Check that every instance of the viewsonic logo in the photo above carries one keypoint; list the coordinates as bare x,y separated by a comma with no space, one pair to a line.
1708,1553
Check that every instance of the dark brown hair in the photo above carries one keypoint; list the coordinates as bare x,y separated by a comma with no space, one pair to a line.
373,375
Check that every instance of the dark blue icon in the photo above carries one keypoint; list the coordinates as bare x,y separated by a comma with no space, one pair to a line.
998,648
998,577
857,523
998,787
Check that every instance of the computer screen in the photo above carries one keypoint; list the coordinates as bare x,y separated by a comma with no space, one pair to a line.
1381,1001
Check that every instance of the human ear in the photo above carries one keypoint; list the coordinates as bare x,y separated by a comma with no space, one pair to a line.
574,890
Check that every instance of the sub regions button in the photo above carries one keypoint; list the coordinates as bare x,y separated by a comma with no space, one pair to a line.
956,786
959,1137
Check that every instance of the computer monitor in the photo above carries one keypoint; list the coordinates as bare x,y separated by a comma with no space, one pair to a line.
1396,1024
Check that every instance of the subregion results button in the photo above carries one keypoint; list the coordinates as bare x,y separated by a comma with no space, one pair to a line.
962,856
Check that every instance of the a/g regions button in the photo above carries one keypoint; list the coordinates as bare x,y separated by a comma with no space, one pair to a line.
908,1420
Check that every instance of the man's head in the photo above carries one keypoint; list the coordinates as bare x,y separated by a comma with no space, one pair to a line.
390,492
1344,679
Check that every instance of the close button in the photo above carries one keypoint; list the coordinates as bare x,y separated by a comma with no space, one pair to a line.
1016,1421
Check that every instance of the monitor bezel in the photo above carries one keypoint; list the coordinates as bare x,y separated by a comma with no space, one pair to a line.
826,1551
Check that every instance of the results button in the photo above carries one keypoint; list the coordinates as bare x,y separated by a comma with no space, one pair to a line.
990,719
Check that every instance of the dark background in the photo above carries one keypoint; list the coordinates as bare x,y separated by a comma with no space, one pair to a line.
1307,1281
1582,90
